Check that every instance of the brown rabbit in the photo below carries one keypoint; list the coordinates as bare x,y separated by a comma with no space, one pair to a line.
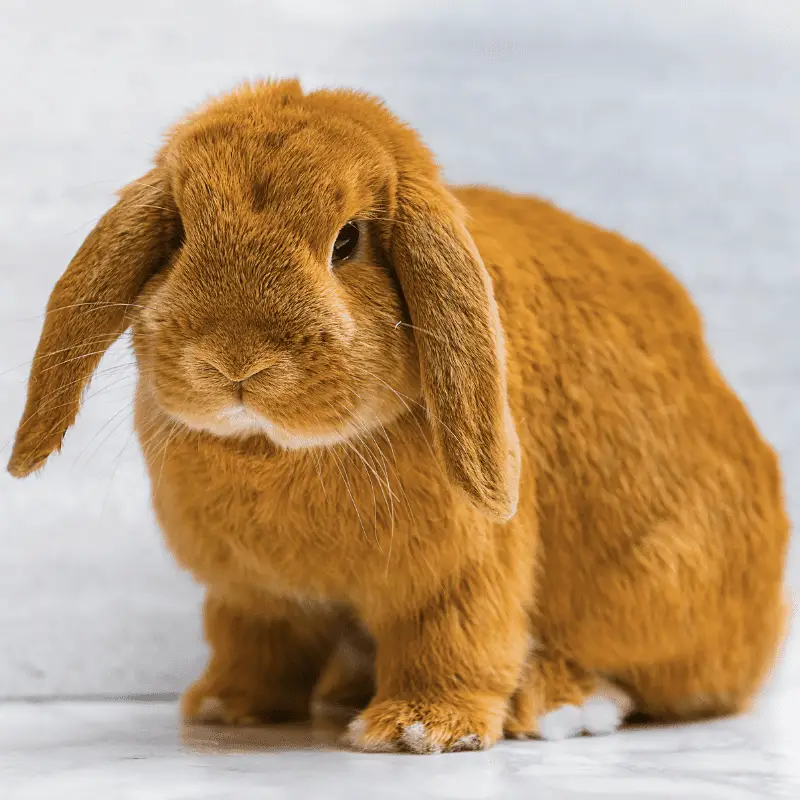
458,423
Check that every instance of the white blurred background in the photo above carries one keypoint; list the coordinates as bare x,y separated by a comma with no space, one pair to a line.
676,122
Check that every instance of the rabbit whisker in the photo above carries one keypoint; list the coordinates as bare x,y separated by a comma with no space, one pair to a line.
91,305
350,447
400,323
315,459
343,473
126,407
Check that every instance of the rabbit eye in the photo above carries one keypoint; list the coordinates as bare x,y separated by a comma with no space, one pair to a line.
346,243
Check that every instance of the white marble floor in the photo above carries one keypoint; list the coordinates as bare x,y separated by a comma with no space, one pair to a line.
137,750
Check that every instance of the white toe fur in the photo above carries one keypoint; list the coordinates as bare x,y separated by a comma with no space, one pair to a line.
470,742
563,722
354,737
415,739
355,732
601,713
606,709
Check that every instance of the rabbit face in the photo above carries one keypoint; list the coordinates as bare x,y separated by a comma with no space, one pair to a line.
279,312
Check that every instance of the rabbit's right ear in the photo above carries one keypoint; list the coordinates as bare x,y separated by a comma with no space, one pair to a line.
89,309
460,343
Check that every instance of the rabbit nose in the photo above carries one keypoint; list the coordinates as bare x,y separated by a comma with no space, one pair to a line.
238,374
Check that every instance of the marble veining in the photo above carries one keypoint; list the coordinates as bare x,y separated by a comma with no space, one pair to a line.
137,750
674,122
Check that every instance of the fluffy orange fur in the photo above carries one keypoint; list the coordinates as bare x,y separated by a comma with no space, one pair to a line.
467,475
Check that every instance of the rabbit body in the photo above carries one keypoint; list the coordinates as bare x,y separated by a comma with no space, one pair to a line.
607,536
648,544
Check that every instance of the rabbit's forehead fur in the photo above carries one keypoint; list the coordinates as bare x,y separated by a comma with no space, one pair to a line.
281,165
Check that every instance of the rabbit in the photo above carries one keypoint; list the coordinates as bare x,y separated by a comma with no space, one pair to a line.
449,454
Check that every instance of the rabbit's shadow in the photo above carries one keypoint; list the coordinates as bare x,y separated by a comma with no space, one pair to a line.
262,738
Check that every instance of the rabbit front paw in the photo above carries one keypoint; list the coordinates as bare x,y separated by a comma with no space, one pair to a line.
442,726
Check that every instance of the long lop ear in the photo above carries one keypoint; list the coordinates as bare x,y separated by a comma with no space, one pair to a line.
460,343
89,309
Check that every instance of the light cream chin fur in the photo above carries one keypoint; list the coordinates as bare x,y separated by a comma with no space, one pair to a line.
239,420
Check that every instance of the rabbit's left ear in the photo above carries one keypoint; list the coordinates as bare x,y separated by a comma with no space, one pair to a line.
89,308
460,343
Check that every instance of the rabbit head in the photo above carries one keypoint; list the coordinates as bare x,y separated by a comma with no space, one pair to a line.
292,267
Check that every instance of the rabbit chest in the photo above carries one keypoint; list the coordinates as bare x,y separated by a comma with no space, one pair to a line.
342,524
